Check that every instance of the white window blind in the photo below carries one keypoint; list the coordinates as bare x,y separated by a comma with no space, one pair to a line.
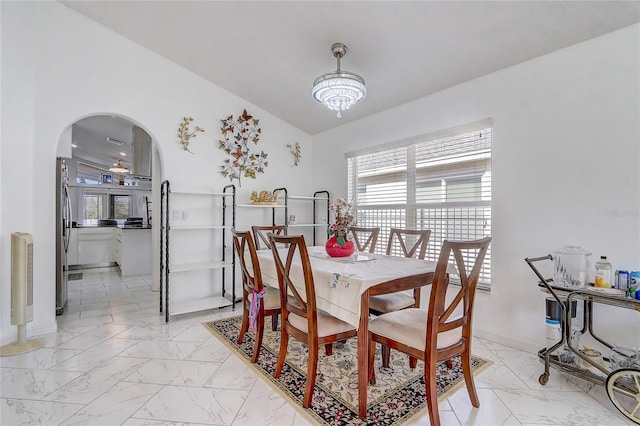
89,174
441,184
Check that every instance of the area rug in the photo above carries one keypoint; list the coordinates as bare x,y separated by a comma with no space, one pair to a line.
398,395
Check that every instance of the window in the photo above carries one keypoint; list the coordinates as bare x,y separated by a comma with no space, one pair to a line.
88,174
120,207
93,208
442,184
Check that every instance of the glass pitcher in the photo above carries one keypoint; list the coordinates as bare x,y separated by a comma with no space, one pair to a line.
570,265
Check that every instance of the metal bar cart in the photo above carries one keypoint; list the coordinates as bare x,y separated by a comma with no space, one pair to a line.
622,384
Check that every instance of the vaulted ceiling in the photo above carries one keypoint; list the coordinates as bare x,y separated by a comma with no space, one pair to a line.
270,52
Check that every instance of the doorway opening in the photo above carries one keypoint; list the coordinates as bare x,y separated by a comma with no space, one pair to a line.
104,211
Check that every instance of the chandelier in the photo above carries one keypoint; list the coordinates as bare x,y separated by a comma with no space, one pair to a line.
118,168
340,89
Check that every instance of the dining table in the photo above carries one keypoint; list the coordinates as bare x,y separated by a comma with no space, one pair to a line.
343,286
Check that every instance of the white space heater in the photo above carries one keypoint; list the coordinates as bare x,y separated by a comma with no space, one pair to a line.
21,293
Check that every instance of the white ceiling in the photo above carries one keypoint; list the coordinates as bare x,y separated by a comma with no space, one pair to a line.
270,52
89,139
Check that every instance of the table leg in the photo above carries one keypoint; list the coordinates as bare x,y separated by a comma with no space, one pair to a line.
363,355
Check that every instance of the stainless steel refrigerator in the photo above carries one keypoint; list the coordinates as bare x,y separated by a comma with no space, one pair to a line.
63,233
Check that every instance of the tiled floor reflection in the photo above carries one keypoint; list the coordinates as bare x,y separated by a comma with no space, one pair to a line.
114,361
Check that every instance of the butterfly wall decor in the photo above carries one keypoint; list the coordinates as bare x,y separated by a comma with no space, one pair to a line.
238,134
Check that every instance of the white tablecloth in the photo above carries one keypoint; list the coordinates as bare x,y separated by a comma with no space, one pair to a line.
340,282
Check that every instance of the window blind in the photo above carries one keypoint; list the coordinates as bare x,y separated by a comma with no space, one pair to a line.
441,184
88,174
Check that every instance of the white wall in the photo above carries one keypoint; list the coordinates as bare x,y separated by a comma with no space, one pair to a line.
566,169
565,148
58,67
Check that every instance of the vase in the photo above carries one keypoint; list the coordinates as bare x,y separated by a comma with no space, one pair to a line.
334,249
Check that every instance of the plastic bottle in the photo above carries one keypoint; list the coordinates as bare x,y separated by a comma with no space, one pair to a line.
603,273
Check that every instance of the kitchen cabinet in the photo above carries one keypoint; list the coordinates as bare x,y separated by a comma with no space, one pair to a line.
130,248
117,246
95,245
134,251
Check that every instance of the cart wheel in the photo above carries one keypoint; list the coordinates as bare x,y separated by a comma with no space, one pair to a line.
544,378
623,388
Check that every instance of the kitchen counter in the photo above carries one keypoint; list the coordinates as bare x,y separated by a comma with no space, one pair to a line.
111,226
93,245
129,247
132,250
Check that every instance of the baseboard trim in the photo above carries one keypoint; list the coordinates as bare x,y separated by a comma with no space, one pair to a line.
32,332
526,346
92,265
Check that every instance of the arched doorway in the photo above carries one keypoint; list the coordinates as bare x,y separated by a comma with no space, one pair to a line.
105,166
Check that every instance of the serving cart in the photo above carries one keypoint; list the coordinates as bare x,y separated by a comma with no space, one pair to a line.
622,384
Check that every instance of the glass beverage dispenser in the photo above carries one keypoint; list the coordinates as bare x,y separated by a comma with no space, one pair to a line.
570,264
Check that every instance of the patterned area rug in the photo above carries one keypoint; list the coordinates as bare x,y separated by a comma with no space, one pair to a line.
398,395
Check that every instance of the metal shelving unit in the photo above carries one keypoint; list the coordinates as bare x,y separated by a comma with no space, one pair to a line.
273,207
319,198
223,264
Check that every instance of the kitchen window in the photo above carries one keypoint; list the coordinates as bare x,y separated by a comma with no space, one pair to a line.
439,183
120,207
87,174
93,208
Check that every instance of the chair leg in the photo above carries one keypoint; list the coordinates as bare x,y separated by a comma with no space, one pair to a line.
312,369
284,342
274,322
468,377
386,356
257,345
372,358
432,391
413,362
245,323
328,349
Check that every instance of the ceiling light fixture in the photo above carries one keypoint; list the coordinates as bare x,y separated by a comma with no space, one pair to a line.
340,89
114,141
118,168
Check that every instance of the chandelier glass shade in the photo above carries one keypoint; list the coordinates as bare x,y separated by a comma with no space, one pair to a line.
339,90
119,168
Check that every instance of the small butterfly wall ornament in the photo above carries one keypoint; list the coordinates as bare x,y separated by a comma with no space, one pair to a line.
185,134
296,152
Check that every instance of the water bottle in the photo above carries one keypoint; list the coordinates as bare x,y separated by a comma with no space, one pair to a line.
603,273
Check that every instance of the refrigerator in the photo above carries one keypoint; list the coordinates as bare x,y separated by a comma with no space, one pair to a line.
63,233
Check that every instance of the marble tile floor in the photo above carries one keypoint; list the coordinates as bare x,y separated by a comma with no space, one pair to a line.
114,361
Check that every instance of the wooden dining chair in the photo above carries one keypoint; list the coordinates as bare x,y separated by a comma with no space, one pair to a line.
412,243
301,318
365,239
442,331
268,302
260,234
